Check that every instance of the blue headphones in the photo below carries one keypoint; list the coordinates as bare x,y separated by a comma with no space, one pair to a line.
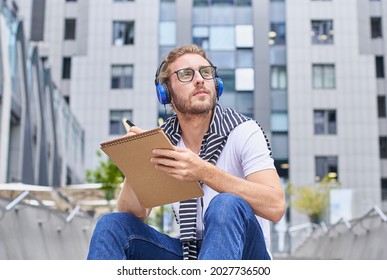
164,96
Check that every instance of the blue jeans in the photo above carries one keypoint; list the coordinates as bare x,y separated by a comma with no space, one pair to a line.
232,232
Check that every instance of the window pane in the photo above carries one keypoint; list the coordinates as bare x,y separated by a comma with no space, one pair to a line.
376,27
167,33
381,106
228,78
123,33
245,3
222,3
121,76
279,122
244,103
379,60
116,116
329,76
383,146
278,33
70,26
244,79
324,122
278,77
322,32
245,58
279,143
384,189
223,59
66,68
324,76
244,36
326,165
200,3
200,36
222,38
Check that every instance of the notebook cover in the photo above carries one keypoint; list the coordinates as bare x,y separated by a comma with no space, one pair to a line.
132,156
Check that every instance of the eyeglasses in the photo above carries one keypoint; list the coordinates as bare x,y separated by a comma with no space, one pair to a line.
187,74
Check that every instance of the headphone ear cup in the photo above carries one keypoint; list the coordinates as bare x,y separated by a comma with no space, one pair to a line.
163,94
218,86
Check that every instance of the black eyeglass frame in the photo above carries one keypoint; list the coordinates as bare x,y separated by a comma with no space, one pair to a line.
214,75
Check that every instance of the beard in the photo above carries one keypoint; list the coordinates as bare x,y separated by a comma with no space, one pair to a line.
186,106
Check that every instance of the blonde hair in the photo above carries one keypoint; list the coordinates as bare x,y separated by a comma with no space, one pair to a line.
165,72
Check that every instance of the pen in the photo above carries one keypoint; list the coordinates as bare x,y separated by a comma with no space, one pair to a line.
127,124
130,123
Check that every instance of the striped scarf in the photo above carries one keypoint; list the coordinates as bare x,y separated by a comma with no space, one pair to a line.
222,123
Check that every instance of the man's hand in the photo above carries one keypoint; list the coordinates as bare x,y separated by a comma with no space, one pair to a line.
182,164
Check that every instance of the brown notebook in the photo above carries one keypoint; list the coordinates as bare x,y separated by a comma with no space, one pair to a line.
153,187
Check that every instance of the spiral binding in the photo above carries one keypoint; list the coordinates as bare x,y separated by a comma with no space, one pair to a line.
130,138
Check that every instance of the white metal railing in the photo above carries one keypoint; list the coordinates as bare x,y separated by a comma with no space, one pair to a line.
26,192
300,233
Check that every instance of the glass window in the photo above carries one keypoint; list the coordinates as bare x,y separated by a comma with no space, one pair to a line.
167,33
278,77
222,3
228,78
376,27
243,3
382,106
279,122
244,58
244,79
200,3
279,143
222,38
383,146
384,188
324,122
324,76
66,68
244,37
245,103
277,33
123,33
326,165
379,61
121,76
70,28
322,32
223,59
200,36
116,117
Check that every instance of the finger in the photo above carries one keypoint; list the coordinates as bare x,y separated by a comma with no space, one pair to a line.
170,162
136,129
165,153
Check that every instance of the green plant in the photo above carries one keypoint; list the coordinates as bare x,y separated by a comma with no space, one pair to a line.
312,199
108,174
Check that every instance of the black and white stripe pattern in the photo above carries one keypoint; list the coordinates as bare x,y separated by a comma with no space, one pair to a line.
223,122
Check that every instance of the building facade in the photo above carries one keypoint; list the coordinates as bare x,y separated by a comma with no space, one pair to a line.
41,142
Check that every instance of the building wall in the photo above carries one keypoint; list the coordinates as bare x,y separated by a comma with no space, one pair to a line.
354,99
93,54
41,142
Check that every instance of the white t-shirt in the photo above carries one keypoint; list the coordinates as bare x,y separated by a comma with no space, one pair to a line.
245,152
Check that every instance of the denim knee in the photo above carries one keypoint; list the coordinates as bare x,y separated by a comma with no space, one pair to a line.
225,206
112,221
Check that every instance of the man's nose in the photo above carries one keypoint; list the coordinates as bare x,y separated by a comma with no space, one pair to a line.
198,77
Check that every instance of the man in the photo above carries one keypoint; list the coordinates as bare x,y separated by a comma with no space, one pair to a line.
226,152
